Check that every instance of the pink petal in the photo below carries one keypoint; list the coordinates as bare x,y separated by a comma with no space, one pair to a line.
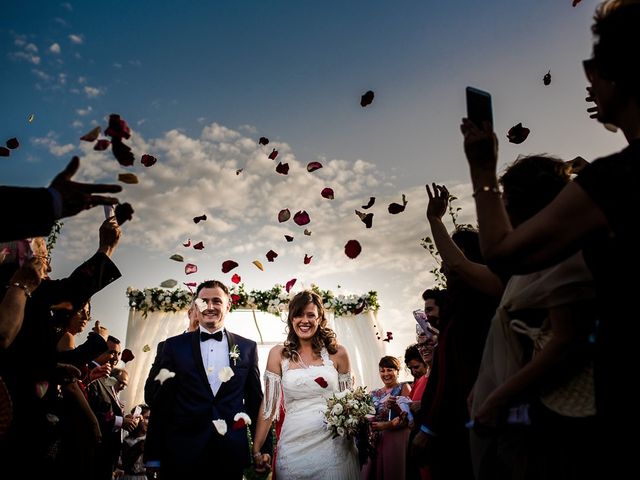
301,218
236,278
190,268
187,243
352,249
327,193
228,265
290,284
313,166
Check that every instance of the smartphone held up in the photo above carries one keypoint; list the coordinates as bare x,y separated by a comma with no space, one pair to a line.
479,109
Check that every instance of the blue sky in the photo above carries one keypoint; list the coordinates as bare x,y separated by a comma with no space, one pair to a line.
200,82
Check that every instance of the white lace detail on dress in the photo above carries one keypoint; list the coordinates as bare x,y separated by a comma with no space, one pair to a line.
272,395
345,381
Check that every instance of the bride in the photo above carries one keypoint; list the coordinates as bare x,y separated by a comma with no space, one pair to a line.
309,368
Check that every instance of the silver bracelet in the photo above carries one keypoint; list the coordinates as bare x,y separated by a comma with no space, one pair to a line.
486,188
26,290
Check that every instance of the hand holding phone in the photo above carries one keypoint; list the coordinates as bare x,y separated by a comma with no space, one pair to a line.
479,108
423,321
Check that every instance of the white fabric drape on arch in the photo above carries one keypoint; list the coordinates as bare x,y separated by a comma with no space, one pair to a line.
355,332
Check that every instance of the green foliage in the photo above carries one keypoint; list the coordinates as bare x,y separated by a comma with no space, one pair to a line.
53,236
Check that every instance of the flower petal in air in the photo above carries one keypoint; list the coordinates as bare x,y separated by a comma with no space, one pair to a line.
301,218
236,278
307,259
225,374
123,212
271,255
289,238
258,264
263,141
91,136
518,134
228,265
170,283
187,243
148,160
221,426
127,355
122,152
239,171
199,246
41,388
284,215
190,268
273,154
367,218
177,257
13,143
164,374
395,208
101,145
366,98
235,298
321,381
117,128
129,178
282,168
313,166
547,78
352,248
327,193
146,348
289,285
201,218
307,232
372,200
4,152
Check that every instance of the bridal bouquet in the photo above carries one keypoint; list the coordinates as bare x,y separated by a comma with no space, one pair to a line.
347,411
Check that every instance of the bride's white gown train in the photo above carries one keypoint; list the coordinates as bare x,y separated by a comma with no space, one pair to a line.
305,449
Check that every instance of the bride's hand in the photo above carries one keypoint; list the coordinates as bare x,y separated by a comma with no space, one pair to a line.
262,463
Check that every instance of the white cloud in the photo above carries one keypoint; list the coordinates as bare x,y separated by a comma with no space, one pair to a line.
84,111
92,92
77,124
30,47
117,65
82,80
55,48
35,59
50,142
40,74
77,39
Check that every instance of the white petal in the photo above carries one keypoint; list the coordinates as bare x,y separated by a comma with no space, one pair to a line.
164,374
225,374
244,416
201,304
221,426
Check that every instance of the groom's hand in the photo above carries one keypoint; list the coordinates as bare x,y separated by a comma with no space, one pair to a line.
262,463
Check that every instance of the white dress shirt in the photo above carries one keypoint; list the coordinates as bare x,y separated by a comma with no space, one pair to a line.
215,356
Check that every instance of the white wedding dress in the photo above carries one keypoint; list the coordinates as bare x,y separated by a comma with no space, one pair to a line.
305,449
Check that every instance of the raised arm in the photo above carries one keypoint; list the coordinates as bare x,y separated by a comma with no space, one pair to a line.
472,273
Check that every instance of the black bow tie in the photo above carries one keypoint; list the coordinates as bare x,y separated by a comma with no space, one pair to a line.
204,336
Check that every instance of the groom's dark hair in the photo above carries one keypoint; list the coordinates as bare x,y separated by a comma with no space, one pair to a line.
211,284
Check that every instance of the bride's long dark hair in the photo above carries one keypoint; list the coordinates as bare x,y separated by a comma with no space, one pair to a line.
324,336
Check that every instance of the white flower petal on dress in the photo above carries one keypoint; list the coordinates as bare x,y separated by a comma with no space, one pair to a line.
164,374
221,426
243,416
225,374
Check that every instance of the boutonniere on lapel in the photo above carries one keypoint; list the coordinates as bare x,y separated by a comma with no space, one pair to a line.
234,354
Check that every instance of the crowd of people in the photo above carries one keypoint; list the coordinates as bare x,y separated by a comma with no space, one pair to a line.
524,372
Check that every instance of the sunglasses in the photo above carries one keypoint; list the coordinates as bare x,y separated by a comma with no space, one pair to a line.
590,67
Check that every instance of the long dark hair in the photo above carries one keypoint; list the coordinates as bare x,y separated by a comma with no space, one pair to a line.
324,336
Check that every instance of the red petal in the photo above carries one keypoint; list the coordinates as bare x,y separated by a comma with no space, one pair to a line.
102,144
518,134
4,152
236,278
199,219
283,168
13,143
148,160
290,284
187,243
263,141
122,152
235,298
91,136
307,259
190,285
301,218
367,218
321,381
239,424
271,255
284,215
395,208
352,249
367,98
199,246
127,355
273,154
117,128
313,166
289,238
190,268
228,265
372,200
123,212
327,193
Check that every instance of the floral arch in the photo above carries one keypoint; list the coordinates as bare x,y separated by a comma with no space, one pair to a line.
158,313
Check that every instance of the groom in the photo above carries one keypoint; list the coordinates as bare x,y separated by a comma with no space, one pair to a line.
186,436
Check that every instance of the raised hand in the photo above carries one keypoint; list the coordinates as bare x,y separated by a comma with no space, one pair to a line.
78,196
438,201
109,235
480,145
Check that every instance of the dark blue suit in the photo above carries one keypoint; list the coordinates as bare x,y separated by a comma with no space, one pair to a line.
181,431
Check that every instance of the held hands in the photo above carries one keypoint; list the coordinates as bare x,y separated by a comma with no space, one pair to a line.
78,196
438,202
262,462
480,145
129,423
